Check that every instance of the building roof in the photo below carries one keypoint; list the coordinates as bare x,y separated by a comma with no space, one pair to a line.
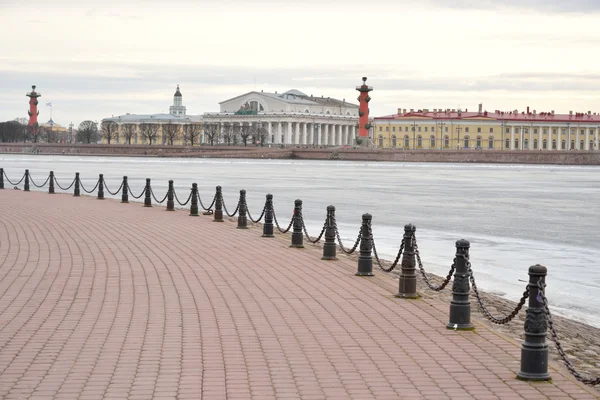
295,96
136,118
177,92
508,116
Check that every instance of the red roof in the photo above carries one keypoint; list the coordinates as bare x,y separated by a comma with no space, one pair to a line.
509,116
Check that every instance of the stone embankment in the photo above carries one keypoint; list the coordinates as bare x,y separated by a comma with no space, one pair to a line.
310,153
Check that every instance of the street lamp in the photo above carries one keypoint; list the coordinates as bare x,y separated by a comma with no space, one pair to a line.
414,130
459,130
441,124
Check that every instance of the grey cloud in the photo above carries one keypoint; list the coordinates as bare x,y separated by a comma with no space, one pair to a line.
572,6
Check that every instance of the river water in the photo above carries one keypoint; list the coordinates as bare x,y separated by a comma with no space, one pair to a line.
513,215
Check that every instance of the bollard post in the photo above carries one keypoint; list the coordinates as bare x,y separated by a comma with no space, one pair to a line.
534,350
365,259
242,219
218,206
268,225
297,238
194,201
101,187
51,187
148,193
26,189
460,306
1,178
408,275
170,202
329,248
76,192
125,193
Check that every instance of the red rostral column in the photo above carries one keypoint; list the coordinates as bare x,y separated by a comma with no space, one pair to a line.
33,111
363,111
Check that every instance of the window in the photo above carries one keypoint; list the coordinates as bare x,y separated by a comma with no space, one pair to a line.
563,145
581,145
380,141
466,129
419,129
591,131
554,131
387,128
545,131
446,141
535,144
516,130
516,143
554,144
478,130
535,131
563,131
526,130
591,145
406,142
393,129
582,131
419,141
491,130
572,145
507,144
526,144
394,141
507,130
446,129
425,129
478,142
406,129
432,142
545,144
466,142
379,129
491,142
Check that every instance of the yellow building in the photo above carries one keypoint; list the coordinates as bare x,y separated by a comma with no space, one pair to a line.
482,130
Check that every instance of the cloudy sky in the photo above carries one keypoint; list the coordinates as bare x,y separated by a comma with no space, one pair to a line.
94,59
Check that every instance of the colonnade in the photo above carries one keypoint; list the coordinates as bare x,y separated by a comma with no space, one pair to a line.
553,138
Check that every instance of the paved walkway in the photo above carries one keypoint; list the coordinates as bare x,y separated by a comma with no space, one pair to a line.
102,300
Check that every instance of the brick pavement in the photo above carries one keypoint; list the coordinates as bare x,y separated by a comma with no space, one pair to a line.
102,300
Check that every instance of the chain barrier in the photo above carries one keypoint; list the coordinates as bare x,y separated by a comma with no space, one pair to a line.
115,193
39,186
277,223
339,239
227,212
62,188
259,218
89,191
308,236
486,312
177,198
211,204
559,348
155,199
133,195
395,263
12,183
422,270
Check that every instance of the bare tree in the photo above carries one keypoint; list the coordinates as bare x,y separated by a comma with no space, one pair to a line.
262,135
13,131
170,132
230,134
129,131
47,135
109,130
246,133
212,132
191,132
87,132
149,131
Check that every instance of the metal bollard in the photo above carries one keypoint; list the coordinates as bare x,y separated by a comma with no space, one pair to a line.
460,306
297,238
408,276
242,219
1,178
194,201
148,193
125,193
26,189
76,192
170,202
51,181
218,206
365,259
101,187
329,248
534,350
268,225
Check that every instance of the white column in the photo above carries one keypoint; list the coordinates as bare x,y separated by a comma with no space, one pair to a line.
344,135
278,134
596,138
558,138
577,139
540,138
297,138
270,138
512,137
325,134
568,138
318,135
587,139
522,137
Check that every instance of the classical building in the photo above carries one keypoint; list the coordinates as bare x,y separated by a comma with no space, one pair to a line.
482,130
177,115
290,118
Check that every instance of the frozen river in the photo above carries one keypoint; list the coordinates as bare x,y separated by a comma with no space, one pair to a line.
513,215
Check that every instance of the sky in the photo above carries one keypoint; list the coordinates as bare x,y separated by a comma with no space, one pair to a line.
94,59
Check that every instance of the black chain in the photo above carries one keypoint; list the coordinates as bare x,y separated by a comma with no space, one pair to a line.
115,193
277,223
89,191
155,199
62,188
395,263
211,204
259,218
308,236
177,198
133,195
39,186
486,312
561,352
227,212
422,270
339,239
14,184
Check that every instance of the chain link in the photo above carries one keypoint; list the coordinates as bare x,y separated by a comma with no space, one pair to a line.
227,212
211,204
422,270
62,188
395,263
89,191
308,236
177,198
115,193
561,352
486,312
133,195
155,199
39,186
277,223
12,183
339,239
259,218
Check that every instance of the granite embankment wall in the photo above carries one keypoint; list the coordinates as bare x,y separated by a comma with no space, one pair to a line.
359,154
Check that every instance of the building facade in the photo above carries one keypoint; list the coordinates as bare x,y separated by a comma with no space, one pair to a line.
290,118
482,130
